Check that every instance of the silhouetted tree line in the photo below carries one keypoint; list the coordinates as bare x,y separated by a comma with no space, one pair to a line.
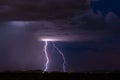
41,75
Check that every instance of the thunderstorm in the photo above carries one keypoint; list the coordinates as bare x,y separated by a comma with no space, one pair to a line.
46,54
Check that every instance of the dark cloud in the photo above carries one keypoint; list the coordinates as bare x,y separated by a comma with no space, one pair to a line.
40,9
89,26
76,27
79,27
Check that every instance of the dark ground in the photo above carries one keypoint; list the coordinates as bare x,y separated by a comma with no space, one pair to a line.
39,75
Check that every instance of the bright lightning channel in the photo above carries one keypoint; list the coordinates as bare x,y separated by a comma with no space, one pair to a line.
46,54
63,57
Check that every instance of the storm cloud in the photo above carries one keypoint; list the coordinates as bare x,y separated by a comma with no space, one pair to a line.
80,27
21,47
77,28
41,9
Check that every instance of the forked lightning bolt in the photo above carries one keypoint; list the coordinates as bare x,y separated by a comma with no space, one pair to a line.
64,60
46,54
47,58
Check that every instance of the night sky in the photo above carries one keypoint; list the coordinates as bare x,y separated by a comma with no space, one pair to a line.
87,34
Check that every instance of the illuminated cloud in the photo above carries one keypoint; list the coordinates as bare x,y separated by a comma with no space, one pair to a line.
78,28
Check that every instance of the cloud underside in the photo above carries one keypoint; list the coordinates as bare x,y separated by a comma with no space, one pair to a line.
79,28
72,21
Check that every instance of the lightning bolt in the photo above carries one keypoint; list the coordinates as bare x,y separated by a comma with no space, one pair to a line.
47,58
46,55
63,57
